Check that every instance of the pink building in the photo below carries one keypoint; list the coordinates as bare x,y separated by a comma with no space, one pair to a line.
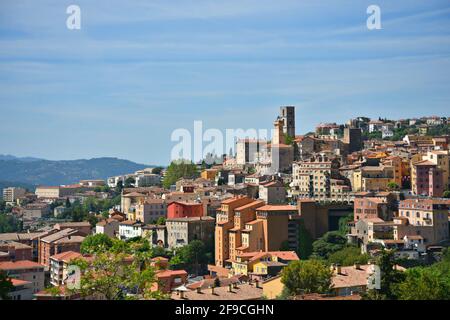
427,179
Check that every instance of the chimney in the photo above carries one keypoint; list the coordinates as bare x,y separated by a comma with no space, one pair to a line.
230,288
212,289
181,294
357,266
257,283
235,285
338,269
199,290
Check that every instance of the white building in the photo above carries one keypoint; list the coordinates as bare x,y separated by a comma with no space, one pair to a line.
11,194
130,229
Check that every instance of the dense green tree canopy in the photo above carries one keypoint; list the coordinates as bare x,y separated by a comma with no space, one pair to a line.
329,243
5,286
177,170
348,256
308,276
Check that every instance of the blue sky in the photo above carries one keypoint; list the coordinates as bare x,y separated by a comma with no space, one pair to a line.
137,70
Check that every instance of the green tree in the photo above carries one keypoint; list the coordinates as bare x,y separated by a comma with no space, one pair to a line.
157,170
96,243
161,221
190,257
179,169
306,276
390,278
446,194
119,187
343,224
305,242
393,186
6,286
129,182
329,243
9,223
348,256
110,276
424,284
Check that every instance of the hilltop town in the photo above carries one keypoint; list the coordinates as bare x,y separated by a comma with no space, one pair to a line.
352,211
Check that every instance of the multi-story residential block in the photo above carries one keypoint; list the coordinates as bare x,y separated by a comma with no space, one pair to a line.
427,218
58,242
150,210
225,222
11,194
441,158
373,178
130,229
242,215
427,179
109,227
372,207
55,192
23,290
312,179
82,227
15,251
184,210
34,211
27,271
396,163
272,192
59,266
181,231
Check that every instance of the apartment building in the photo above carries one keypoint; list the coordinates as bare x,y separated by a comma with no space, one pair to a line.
130,229
59,266
27,271
109,227
272,192
441,159
184,210
58,242
373,178
312,178
11,194
225,222
372,207
15,251
427,179
181,231
150,210
427,218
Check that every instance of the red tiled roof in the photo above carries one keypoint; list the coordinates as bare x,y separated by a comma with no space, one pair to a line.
277,208
170,273
23,264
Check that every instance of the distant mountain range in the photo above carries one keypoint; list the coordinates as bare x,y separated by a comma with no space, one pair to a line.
30,171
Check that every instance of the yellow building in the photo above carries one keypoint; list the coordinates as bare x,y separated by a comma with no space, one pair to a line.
396,163
373,178
272,287
209,174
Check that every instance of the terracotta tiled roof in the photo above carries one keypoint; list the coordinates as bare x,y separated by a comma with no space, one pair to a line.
17,265
277,208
